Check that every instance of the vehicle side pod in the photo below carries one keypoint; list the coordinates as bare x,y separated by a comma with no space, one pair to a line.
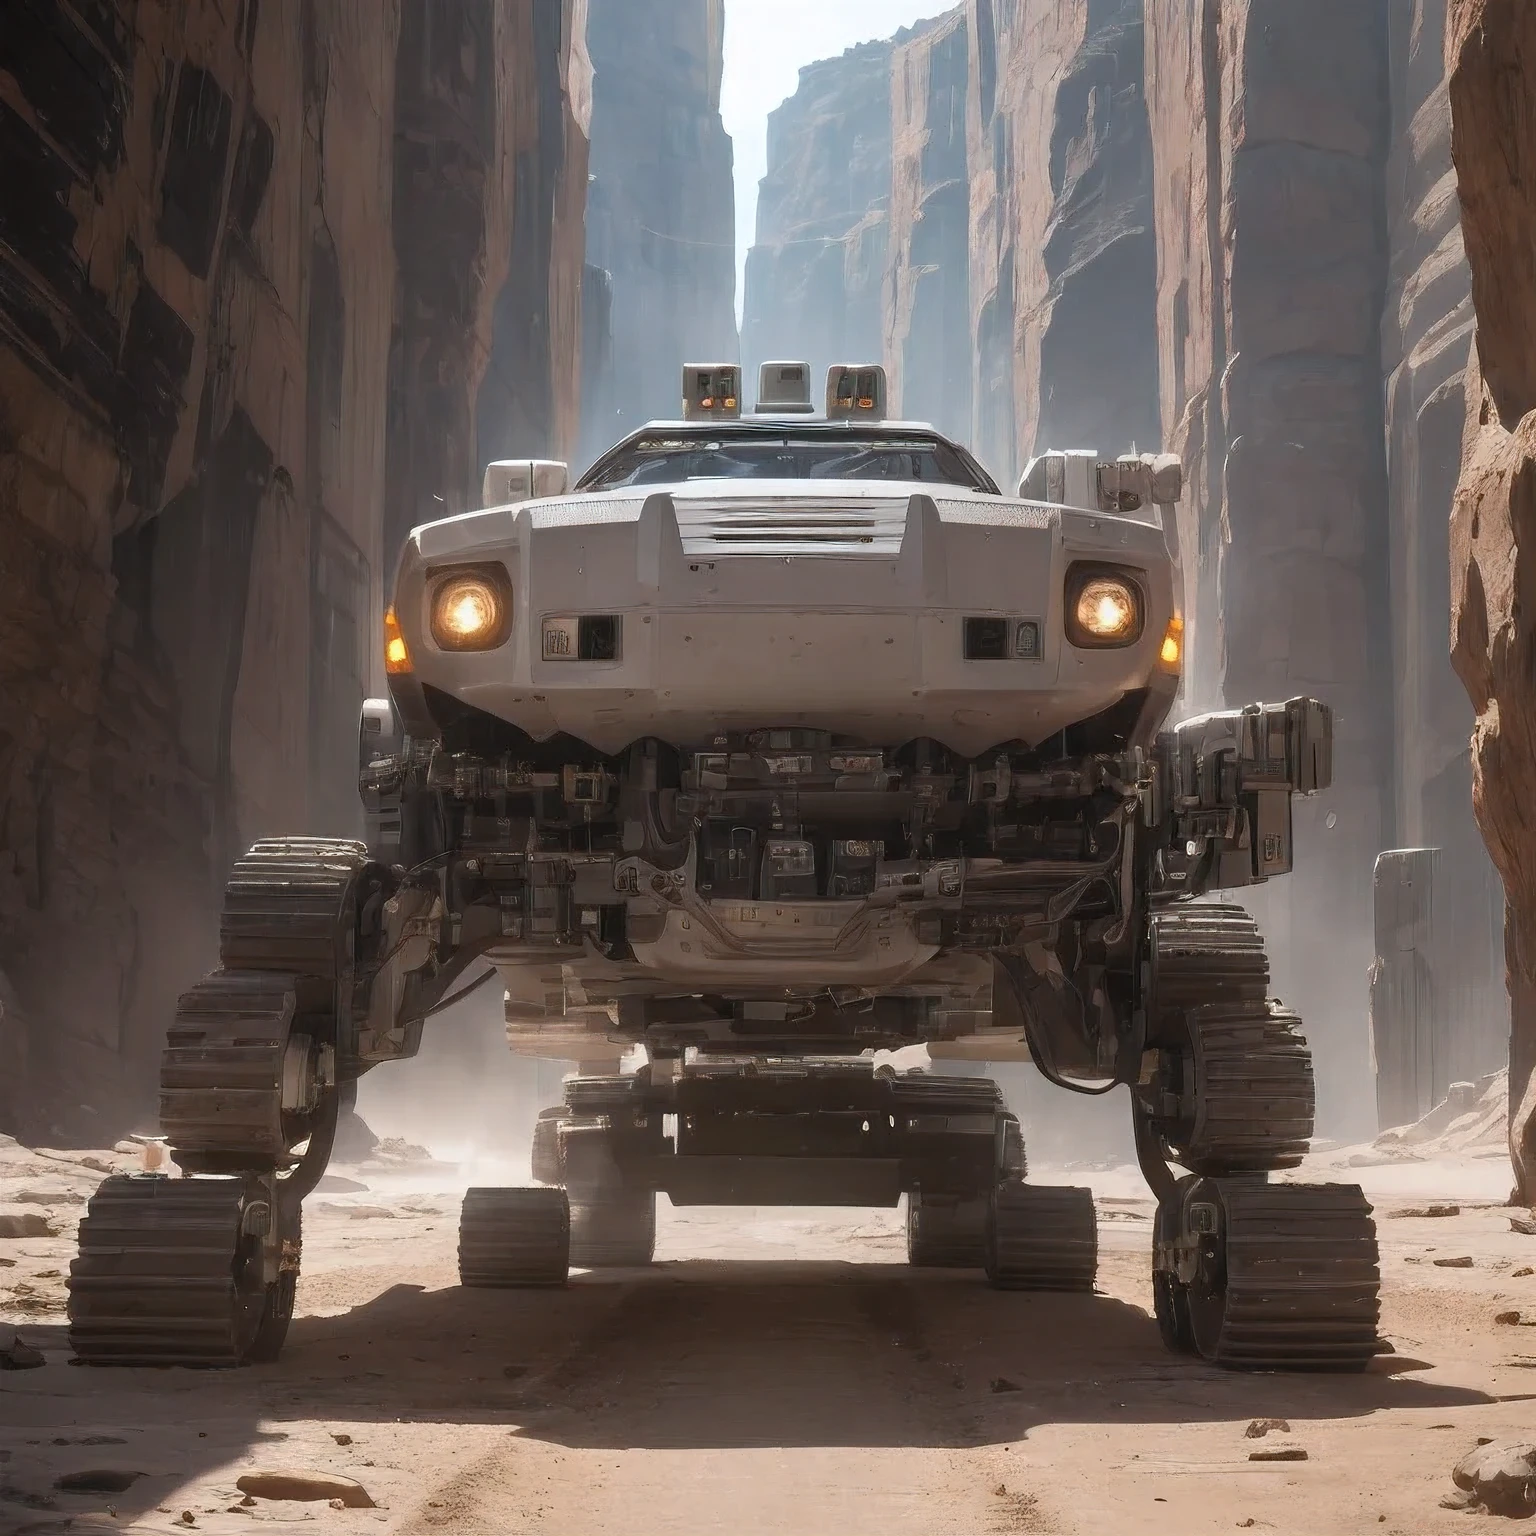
1229,779
510,481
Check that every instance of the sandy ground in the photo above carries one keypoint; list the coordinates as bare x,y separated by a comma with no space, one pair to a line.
774,1372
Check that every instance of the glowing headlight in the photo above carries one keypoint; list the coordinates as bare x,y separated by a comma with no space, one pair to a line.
1103,609
468,614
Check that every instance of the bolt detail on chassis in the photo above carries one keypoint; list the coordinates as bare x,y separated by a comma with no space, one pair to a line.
778,741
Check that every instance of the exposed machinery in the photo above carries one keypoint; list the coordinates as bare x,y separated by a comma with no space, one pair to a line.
778,740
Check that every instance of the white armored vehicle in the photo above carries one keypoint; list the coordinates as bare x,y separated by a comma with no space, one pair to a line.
776,741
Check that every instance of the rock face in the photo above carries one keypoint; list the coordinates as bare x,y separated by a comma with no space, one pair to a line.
1492,48
927,297
1064,271
661,217
815,276
226,390
1269,122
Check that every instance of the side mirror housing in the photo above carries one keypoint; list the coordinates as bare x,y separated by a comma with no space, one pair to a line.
509,481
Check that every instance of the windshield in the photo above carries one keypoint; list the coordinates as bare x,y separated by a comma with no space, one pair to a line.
671,458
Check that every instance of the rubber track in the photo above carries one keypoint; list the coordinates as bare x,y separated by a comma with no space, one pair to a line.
221,1076
1043,1238
1303,1278
1253,1089
284,906
285,918
514,1237
946,1236
1206,953
153,1282
613,1229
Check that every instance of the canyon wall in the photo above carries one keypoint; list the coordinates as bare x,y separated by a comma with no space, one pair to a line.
927,289
1426,337
250,265
661,215
815,278
1270,132
1492,48
1064,261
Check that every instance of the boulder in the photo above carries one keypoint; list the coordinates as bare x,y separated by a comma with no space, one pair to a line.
1501,1477
20,1221
305,1487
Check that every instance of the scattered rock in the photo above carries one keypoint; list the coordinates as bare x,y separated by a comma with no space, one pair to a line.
1525,1225
1427,1210
1001,1491
305,1487
1002,1384
50,1194
342,1439
1279,1453
1500,1477
17,1356
1506,1317
187,1517
334,1184
1464,1261
1459,1498
15,1221
1521,1273
1261,1427
1243,1525
98,1480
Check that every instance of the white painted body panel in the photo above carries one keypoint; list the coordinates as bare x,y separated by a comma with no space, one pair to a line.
829,605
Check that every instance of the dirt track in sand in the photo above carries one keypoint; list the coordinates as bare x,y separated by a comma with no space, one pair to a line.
773,1372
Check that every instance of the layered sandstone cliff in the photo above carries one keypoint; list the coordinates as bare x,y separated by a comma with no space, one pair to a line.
1492,48
1064,262
661,216
1270,127
927,288
815,276
250,258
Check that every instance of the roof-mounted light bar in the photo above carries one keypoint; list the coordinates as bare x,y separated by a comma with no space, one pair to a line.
711,392
784,389
856,392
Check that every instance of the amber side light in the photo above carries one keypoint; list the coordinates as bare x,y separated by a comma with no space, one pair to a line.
397,654
1172,653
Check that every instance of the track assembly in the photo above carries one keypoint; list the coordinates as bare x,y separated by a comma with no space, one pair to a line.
1257,1276
1042,1238
514,1238
1235,1091
182,1272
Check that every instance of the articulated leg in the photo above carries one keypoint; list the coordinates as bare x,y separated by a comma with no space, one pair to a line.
201,1270
1247,1274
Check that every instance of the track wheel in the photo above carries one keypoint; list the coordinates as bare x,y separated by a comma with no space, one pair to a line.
514,1237
1275,1276
181,1272
1042,1238
544,1162
613,1228
946,1235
